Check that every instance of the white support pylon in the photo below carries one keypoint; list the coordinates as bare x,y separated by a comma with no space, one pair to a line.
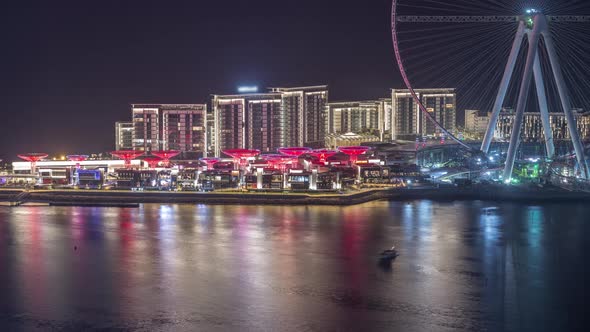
566,104
540,28
523,93
508,71
543,108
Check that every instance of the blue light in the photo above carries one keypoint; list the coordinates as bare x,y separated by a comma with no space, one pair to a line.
247,89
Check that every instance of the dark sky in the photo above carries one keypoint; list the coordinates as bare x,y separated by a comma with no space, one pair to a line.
70,69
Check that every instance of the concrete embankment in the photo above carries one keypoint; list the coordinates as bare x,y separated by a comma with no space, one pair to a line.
66,197
116,198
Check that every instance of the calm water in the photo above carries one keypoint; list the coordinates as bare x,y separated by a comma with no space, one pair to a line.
463,266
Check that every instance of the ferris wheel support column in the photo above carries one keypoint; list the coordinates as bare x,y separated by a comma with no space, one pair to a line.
566,104
543,108
539,25
508,71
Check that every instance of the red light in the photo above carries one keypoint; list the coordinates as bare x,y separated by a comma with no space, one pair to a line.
354,151
127,155
294,151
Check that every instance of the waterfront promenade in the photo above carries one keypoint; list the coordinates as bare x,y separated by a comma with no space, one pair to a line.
122,197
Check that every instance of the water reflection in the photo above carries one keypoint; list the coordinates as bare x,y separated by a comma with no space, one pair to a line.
462,266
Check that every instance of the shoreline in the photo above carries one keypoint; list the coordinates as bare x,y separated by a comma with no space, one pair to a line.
114,198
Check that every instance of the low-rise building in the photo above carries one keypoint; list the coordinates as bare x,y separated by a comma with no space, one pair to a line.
334,141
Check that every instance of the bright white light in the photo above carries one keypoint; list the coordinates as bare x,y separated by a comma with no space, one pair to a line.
246,89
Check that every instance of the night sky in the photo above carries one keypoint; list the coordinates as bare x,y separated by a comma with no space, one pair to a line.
71,68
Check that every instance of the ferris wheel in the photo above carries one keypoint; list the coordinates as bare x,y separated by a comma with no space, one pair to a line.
492,51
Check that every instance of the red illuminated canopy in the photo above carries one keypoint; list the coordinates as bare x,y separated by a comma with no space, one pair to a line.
77,157
279,161
210,161
294,151
354,151
166,154
33,157
323,154
241,153
127,155
152,161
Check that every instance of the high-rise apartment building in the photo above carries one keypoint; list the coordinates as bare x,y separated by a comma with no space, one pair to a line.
169,127
532,129
408,120
123,135
146,127
385,118
267,121
210,134
248,121
304,115
476,122
184,127
356,117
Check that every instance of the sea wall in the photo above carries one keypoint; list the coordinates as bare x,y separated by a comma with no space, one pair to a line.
446,193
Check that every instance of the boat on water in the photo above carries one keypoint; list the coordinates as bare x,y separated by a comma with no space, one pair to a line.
388,255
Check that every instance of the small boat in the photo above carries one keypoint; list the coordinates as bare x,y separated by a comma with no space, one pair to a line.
388,255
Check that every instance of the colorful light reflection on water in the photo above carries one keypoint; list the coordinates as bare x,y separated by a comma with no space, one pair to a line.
463,265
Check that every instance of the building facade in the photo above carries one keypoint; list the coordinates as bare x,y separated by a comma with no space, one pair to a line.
268,121
476,122
179,127
532,129
385,119
252,121
146,127
407,119
184,127
304,115
210,134
357,117
123,135
333,141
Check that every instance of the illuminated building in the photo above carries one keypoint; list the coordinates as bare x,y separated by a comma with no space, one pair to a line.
476,122
123,135
385,118
358,116
532,130
267,121
334,141
408,120
183,127
210,135
304,115
146,127
169,127
247,121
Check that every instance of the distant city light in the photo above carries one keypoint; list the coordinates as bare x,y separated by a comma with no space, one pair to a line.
245,89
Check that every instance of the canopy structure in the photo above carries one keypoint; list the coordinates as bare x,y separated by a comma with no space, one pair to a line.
323,154
166,155
127,155
279,161
240,155
33,158
353,152
77,157
152,161
210,161
294,151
